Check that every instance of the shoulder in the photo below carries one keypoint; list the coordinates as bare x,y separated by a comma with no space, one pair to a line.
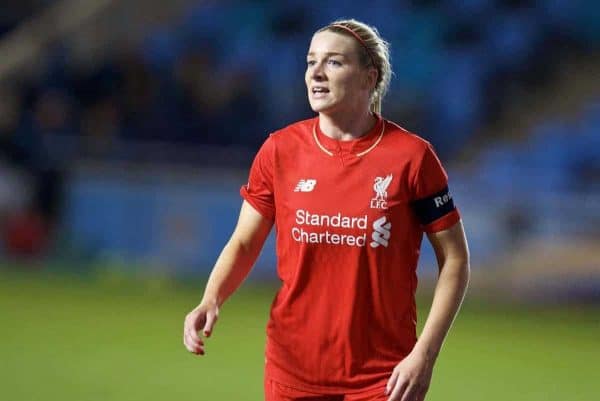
292,134
401,137
296,128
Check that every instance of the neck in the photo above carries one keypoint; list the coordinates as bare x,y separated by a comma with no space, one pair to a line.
351,126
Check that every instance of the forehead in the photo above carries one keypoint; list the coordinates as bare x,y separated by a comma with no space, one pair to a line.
330,42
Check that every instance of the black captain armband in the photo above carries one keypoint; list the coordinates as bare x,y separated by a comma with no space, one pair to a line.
433,207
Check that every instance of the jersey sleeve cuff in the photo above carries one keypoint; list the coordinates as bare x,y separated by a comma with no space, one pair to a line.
443,223
264,210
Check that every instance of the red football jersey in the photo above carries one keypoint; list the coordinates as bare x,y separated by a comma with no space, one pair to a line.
349,218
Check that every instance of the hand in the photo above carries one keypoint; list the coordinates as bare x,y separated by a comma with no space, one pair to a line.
204,317
410,379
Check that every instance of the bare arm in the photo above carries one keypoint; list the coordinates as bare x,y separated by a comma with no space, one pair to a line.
230,270
452,254
411,377
238,255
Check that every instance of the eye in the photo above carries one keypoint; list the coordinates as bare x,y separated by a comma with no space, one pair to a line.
334,62
310,63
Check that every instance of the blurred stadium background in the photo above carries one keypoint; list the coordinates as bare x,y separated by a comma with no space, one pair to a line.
128,126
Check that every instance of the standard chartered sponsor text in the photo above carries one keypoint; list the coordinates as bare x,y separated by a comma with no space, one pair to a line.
305,218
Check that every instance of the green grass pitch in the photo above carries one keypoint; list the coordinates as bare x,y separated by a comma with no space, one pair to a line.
72,339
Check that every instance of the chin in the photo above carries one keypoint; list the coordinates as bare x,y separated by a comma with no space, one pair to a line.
317,109
322,108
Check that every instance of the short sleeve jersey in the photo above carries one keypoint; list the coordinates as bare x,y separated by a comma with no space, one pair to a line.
349,218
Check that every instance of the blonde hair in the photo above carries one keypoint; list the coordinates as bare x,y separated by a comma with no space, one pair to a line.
375,51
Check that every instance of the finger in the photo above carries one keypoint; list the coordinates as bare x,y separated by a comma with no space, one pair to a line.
193,346
189,344
211,319
193,324
422,393
191,338
399,389
192,331
192,342
410,393
391,383
421,396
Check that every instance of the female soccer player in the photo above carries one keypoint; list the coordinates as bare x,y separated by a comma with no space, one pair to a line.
350,194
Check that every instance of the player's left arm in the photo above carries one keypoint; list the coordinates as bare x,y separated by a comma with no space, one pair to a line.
452,255
411,377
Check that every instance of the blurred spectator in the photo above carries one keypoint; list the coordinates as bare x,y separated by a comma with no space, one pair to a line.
198,81
30,172
18,232
227,73
25,234
14,12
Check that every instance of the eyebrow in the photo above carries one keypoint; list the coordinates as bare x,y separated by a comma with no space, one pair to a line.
328,54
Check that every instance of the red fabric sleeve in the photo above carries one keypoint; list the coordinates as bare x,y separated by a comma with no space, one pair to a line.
259,189
429,178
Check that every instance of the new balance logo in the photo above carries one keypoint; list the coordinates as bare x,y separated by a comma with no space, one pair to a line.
305,185
381,232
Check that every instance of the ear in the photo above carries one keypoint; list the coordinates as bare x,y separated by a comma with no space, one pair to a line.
371,78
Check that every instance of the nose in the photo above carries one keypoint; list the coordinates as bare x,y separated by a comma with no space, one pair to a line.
317,72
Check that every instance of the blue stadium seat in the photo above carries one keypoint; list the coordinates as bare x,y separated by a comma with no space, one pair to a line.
470,10
456,99
558,13
511,38
160,49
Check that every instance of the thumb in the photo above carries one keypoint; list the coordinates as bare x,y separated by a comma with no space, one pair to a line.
211,319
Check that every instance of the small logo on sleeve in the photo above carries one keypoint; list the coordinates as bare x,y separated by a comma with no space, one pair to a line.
305,185
434,206
442,200
380,187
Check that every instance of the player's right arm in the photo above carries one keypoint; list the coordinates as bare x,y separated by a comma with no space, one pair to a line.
232,267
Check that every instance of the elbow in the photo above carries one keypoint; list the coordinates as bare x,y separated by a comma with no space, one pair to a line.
461,269
465,270
243,246
456,270
239,245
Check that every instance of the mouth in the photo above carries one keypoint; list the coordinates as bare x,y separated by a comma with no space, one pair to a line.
319,91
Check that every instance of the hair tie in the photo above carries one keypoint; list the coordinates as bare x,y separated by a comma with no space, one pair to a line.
360,40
